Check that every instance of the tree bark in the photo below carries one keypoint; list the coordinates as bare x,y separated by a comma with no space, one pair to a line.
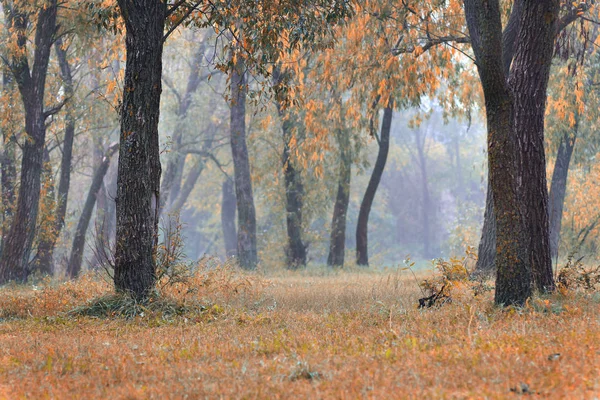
486,253
31,83
362,228
529,77
228,206
513,282
246,246
294,189
45,254
138,192
337,242
558,189
76,257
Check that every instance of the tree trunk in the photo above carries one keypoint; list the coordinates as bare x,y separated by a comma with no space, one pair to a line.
17,248
171,182
426,198
188,186
76,258
246,246
529,80
228,206
558,189
183,192
513,282
337,243
362,228
138,192
486,253
45,255
294,189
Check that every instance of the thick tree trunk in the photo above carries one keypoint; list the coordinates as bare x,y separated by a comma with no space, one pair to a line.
246,246
362,228
294,189
529,80
486,253
17,248
337,242
138,192
513,282
76,258
228,208
558,189
45,254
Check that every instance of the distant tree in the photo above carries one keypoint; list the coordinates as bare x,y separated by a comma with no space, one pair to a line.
362,248
294,189
246,232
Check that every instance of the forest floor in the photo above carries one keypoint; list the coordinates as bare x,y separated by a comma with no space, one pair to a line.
346,335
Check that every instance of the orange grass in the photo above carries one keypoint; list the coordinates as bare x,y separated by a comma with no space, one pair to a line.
346,336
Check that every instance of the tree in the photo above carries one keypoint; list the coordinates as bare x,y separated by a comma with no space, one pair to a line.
515,105
294,189
171,181
337,241
76,257
362,248
31,81
487,246
44,257
246,234
139,170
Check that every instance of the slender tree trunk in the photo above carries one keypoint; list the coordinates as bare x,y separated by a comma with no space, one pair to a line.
171,182
228,206
138,192
337,243
76,258
529,79
426,198
45,255
362,228
294,189
460,190
31,82
558,189
188,186
486,253
246,246
513,282
183,193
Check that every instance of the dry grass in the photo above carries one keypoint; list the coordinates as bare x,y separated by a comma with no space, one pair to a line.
346,335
